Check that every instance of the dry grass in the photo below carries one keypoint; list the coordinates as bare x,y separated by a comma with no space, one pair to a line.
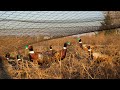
12,43
75,65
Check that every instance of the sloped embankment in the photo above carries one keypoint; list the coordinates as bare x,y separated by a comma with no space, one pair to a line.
3,73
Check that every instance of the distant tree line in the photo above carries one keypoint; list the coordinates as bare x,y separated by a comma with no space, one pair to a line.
111,21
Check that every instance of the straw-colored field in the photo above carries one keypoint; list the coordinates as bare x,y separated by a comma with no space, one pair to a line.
75,65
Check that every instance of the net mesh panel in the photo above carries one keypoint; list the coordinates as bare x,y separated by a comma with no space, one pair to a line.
19,28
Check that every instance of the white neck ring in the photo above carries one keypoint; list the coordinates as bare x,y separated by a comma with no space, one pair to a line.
89,49
64,48
31,52
80,42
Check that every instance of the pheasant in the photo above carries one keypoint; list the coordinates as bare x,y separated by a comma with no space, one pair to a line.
80,43
41,57
36,57
9,57
98,57
49,55
82,46
90,52
60,55
19,56
51,52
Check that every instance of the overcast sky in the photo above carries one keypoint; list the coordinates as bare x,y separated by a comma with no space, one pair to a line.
51,15
77,17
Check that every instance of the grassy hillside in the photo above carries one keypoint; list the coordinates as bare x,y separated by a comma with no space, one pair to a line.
75,65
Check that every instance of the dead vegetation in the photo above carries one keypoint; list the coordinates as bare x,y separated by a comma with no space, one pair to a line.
76,65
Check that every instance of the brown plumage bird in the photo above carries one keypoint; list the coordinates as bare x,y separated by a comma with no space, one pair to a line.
49,55
41,57
50,52
19,56
9,57
90,52
80,43
36,57
98,57
82,46
60,55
